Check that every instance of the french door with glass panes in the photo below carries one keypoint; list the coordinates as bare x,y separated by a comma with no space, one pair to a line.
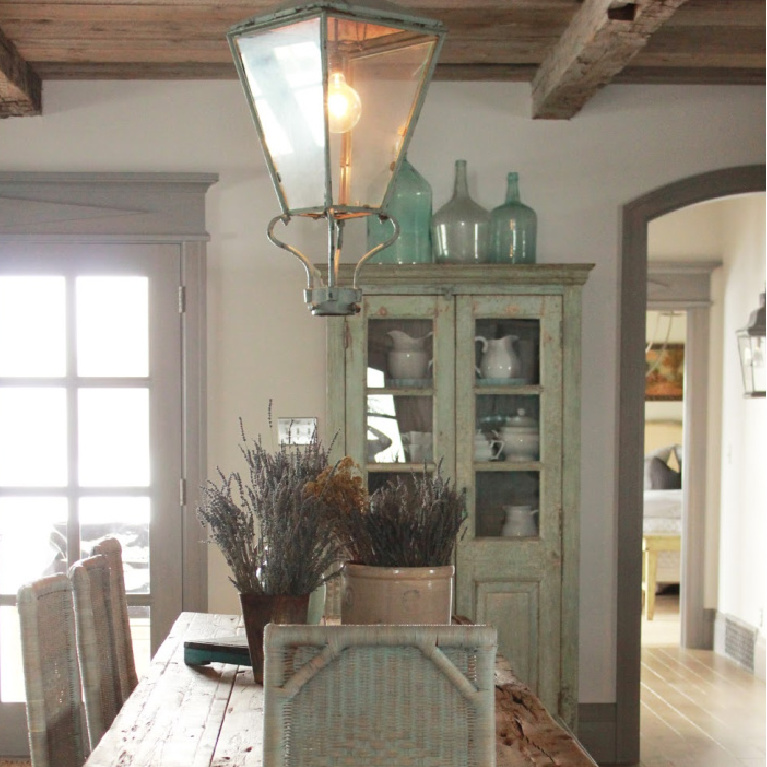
90,432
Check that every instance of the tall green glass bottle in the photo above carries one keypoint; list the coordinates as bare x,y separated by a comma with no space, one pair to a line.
460,228
513,228
411,206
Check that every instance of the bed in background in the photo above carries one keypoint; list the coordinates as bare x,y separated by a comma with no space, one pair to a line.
662,515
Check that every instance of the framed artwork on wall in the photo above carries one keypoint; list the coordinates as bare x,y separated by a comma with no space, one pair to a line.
664,372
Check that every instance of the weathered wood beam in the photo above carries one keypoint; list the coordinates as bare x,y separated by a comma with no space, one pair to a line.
21,91
601,39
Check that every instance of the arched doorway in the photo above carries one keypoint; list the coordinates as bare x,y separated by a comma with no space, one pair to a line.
633,295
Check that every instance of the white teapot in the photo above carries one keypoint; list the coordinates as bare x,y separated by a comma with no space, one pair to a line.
499,359
521,437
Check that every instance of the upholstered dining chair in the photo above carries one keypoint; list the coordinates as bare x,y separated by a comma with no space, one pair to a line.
379,695
96,644
126,663
52,678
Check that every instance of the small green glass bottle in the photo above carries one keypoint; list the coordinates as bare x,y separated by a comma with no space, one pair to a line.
513,228
411,205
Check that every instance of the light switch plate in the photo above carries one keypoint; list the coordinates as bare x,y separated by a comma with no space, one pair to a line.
296,431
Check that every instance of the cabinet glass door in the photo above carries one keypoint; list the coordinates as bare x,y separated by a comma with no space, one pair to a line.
508,398
403,381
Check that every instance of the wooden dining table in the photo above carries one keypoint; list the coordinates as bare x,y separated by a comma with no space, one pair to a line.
212,715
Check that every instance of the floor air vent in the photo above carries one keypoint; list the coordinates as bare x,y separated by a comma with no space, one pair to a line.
739,642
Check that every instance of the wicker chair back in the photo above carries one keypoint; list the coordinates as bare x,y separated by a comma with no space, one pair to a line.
126,663
336,696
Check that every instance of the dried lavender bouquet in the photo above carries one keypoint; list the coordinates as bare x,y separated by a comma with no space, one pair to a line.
412,522
277,529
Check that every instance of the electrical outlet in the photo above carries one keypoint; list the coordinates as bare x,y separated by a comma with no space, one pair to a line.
296,431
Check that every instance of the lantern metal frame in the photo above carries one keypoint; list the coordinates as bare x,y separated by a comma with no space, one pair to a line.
748,337
331,299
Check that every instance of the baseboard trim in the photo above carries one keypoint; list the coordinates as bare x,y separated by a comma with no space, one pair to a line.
597,731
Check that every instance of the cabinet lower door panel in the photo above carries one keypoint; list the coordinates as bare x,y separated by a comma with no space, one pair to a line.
524,608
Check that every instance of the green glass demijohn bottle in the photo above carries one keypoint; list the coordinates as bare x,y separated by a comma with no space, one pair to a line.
460,229
513,228
410,204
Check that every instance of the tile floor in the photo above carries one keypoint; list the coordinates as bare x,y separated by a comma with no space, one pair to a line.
698,709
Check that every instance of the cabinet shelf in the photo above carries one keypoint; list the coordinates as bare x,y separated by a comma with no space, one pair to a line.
408,391
507,466
529,389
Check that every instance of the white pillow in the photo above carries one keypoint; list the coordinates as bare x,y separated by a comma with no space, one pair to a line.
663,454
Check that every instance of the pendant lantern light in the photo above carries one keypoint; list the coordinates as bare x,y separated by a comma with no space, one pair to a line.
751,348
335,89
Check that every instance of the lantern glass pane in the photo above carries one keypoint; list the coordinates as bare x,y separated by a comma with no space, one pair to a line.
752,362
283,68
389,81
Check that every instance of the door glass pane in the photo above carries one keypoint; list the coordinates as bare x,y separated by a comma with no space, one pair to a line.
399,429
113,326
507,428
126,519
11,668
507,352
114,437
507,504
32,326
33,437
402,350
33,540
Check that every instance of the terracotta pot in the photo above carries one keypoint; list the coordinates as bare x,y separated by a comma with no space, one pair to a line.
396,595
260,609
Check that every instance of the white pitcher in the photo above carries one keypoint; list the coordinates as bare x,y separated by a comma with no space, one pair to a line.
520,521
499,359
403,342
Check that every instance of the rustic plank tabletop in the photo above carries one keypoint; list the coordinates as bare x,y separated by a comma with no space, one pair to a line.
211,716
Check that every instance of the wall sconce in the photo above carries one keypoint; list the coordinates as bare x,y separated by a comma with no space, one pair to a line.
751,347
335,90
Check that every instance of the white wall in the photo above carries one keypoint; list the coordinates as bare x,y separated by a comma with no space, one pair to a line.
743,534
262,341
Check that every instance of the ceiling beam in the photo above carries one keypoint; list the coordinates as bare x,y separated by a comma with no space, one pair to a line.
21,91
601,39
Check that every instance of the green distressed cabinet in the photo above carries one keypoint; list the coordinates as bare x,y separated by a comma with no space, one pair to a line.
477,369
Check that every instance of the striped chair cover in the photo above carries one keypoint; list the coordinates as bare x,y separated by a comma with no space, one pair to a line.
126,664
52,678
96,644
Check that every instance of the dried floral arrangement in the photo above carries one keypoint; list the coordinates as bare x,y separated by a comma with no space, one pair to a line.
412,522
279,531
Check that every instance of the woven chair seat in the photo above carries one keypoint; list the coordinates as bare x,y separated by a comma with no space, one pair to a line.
51,674
379,696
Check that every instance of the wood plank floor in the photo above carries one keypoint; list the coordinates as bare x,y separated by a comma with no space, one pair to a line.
698,709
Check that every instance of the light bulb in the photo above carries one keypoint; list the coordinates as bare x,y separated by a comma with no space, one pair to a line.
344,105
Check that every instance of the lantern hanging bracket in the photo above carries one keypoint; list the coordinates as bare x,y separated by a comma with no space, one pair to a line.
330,299
312,275
378,248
